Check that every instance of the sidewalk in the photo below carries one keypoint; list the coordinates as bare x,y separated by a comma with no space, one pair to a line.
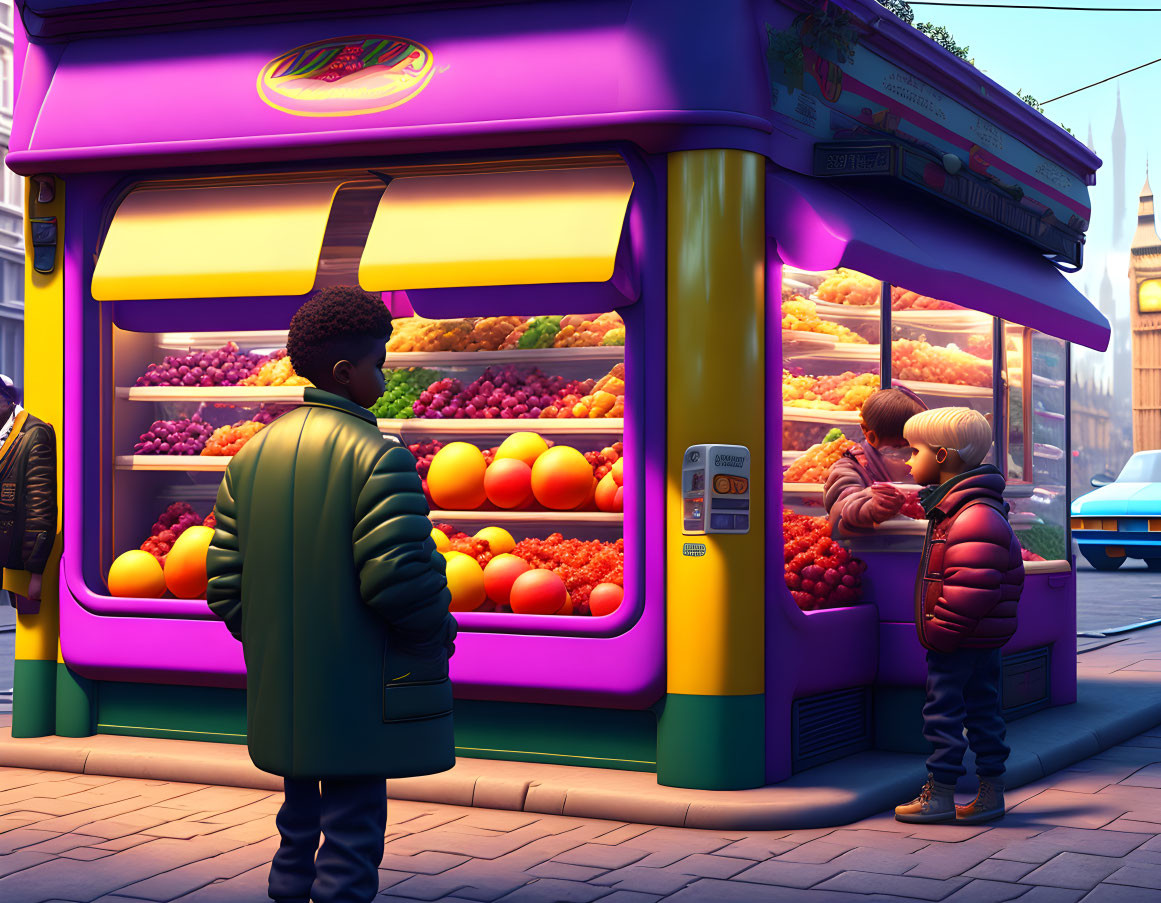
1119,697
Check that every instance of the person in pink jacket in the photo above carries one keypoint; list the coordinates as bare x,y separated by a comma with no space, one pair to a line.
970,577
856,494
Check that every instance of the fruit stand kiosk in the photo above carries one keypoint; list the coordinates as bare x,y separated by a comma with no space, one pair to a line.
599,272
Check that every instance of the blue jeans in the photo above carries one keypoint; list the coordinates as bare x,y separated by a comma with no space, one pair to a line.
352,818
963,691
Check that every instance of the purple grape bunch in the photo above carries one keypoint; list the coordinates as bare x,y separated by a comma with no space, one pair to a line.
268,413
177,517
187,436
227,366
508,393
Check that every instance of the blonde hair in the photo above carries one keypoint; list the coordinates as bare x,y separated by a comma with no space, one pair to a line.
961,430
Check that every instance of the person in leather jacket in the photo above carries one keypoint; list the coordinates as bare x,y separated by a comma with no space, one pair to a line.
28,513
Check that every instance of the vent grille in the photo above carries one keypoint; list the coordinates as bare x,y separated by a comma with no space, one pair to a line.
830,726
1024,684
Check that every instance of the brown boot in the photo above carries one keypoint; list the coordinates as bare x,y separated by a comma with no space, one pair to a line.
988,804
935,803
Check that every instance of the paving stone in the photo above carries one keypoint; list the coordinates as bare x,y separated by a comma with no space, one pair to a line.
545,848
1143,857
788,874
1076,810
1076,870
21,838
1132,825
879,840
474,880
1120,893
14,863
87,854
596,855
712,889
1051,895
182,830
478,847
111,829
944,833
630,896
188,878
946,860
898,885
1093,775
554,889
982,891
565,871
816,851
805,835
1137,876
62,842
245,888
123,843
647,880
622,834
881,861
1000,870
249,832
425,863
756,848
1096,842
708,865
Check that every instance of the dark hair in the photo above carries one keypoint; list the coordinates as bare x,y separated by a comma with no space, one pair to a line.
10,394
331,325
887,410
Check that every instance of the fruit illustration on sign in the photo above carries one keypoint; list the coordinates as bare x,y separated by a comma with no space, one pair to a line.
498,539
465,579
442,543
136,575
540,592
524,446
456,477
605,599
185,565
508,482
499,575
562,478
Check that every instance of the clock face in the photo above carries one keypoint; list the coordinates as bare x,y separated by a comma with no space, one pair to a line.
1149,296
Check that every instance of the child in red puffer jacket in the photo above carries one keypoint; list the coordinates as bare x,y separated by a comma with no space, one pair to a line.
967,589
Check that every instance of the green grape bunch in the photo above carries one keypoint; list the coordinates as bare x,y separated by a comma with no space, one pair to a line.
404,386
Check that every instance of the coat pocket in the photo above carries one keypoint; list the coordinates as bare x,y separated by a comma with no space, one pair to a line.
415,689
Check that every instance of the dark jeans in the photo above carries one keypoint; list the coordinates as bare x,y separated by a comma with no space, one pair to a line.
963,691
352,818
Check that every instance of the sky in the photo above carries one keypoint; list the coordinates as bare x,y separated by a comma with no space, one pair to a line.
1048,53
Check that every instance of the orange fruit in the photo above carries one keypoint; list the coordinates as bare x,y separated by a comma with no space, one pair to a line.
606,496
499,575
185,565
442,543
524,446
562,478
498,539
465,579
605,599
136,575
508,482
618,471
456,477
539,592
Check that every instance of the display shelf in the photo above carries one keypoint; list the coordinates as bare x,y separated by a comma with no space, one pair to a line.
1049,415
272,339
201,463
797,342
550,518
801,489
943,389
828,310
1044,450
942,320
221,394
585,426
1047,567
1015,375
530,356
852,351
812,415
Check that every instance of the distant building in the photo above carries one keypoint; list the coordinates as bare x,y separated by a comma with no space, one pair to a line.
1119,195
11,218
1145,316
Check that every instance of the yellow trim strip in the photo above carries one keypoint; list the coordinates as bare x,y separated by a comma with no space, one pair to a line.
221,241
524,752
21,419
497,228
167,730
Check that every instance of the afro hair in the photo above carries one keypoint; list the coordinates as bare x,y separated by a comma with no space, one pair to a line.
329,325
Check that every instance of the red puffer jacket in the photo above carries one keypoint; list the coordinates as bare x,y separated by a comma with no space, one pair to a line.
971,573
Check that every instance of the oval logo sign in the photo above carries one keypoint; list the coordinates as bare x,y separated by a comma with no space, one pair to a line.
346,76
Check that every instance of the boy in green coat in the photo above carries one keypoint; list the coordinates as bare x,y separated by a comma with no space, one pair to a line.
323,566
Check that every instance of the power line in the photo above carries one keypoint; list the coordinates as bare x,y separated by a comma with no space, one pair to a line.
1067,9
1101,82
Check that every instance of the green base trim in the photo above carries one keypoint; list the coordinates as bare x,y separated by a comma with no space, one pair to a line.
556,734
34,698
212,714
518,732
899,719
75,711
712,742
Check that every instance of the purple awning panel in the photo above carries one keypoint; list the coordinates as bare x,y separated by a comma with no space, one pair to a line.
819,225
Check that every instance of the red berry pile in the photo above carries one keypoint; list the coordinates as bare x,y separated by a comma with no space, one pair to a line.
820,573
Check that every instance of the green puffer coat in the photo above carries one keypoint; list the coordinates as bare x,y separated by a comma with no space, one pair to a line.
323,565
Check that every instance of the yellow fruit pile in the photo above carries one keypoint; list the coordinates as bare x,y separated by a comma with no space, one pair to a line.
845,286
800,315
844,392
228,440
816,461
276,372
607,399
918,360
581,331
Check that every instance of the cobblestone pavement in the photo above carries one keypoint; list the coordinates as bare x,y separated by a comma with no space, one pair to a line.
1091,832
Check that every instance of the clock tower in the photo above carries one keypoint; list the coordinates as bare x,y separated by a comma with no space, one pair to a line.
1145,318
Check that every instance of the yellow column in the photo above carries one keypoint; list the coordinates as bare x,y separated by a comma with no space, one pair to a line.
38,636
711,733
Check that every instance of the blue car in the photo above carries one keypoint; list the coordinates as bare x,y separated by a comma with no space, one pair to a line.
1122,518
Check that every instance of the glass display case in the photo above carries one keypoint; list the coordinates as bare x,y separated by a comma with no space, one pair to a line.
185,403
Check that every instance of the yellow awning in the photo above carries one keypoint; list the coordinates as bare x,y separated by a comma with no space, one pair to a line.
219,241
498,228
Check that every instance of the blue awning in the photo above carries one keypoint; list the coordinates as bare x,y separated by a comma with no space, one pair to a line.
819,225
